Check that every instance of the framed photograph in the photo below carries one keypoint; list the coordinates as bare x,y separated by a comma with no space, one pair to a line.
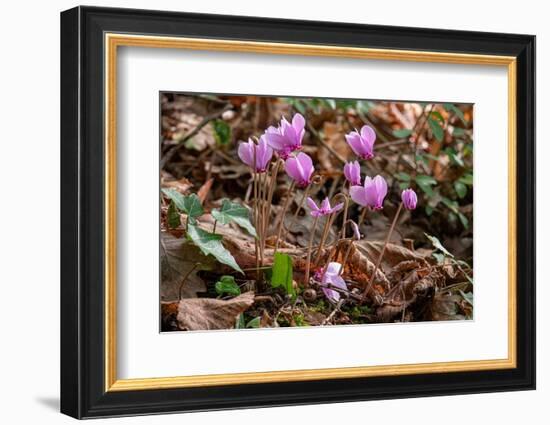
261,212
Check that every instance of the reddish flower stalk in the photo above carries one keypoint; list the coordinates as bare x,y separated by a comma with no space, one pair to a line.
359,223
371,280
289,196
308,258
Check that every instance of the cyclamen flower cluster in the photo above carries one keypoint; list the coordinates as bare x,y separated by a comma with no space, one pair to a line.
283,140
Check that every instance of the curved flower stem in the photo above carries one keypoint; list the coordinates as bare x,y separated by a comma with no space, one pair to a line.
289,196
328,224
371,280
359,223
345,219
270,191
255,216
306,281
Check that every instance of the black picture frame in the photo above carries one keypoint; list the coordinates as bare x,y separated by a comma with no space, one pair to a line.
83,392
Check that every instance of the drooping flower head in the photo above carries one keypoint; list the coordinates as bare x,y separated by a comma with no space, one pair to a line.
408,196
331,277
300,169
263,154
324,209
371,194
356,232
362,143
352,172
286,138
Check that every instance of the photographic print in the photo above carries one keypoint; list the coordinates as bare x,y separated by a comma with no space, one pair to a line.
293,212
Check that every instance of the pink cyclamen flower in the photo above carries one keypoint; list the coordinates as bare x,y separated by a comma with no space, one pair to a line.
352,172
371,194
331,278
325,208
408,196
263,154
362,143
300,169
287,138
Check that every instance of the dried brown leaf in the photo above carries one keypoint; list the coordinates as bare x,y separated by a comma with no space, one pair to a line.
177,259
208,313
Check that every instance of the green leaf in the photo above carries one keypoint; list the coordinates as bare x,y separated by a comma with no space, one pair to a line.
173,216
455,159
231,211
254,323
461,189
437,116
452,205
437,245
429,210
190,204
458,112
282,273
402,133
211,243
227,285
239,322
222,132
467,179
464,220
457,132
404,177
364,106
436,128
425,183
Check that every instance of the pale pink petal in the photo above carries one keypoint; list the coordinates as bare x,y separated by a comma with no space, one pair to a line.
335,279
298,123
245,153
338,207
276,141
333,268
368,135
354,141
331,295
293,169
312,205
358,194
325,205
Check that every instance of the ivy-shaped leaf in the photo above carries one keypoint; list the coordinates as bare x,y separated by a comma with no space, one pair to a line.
227,285
173,216
211,243
190,204
231,211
